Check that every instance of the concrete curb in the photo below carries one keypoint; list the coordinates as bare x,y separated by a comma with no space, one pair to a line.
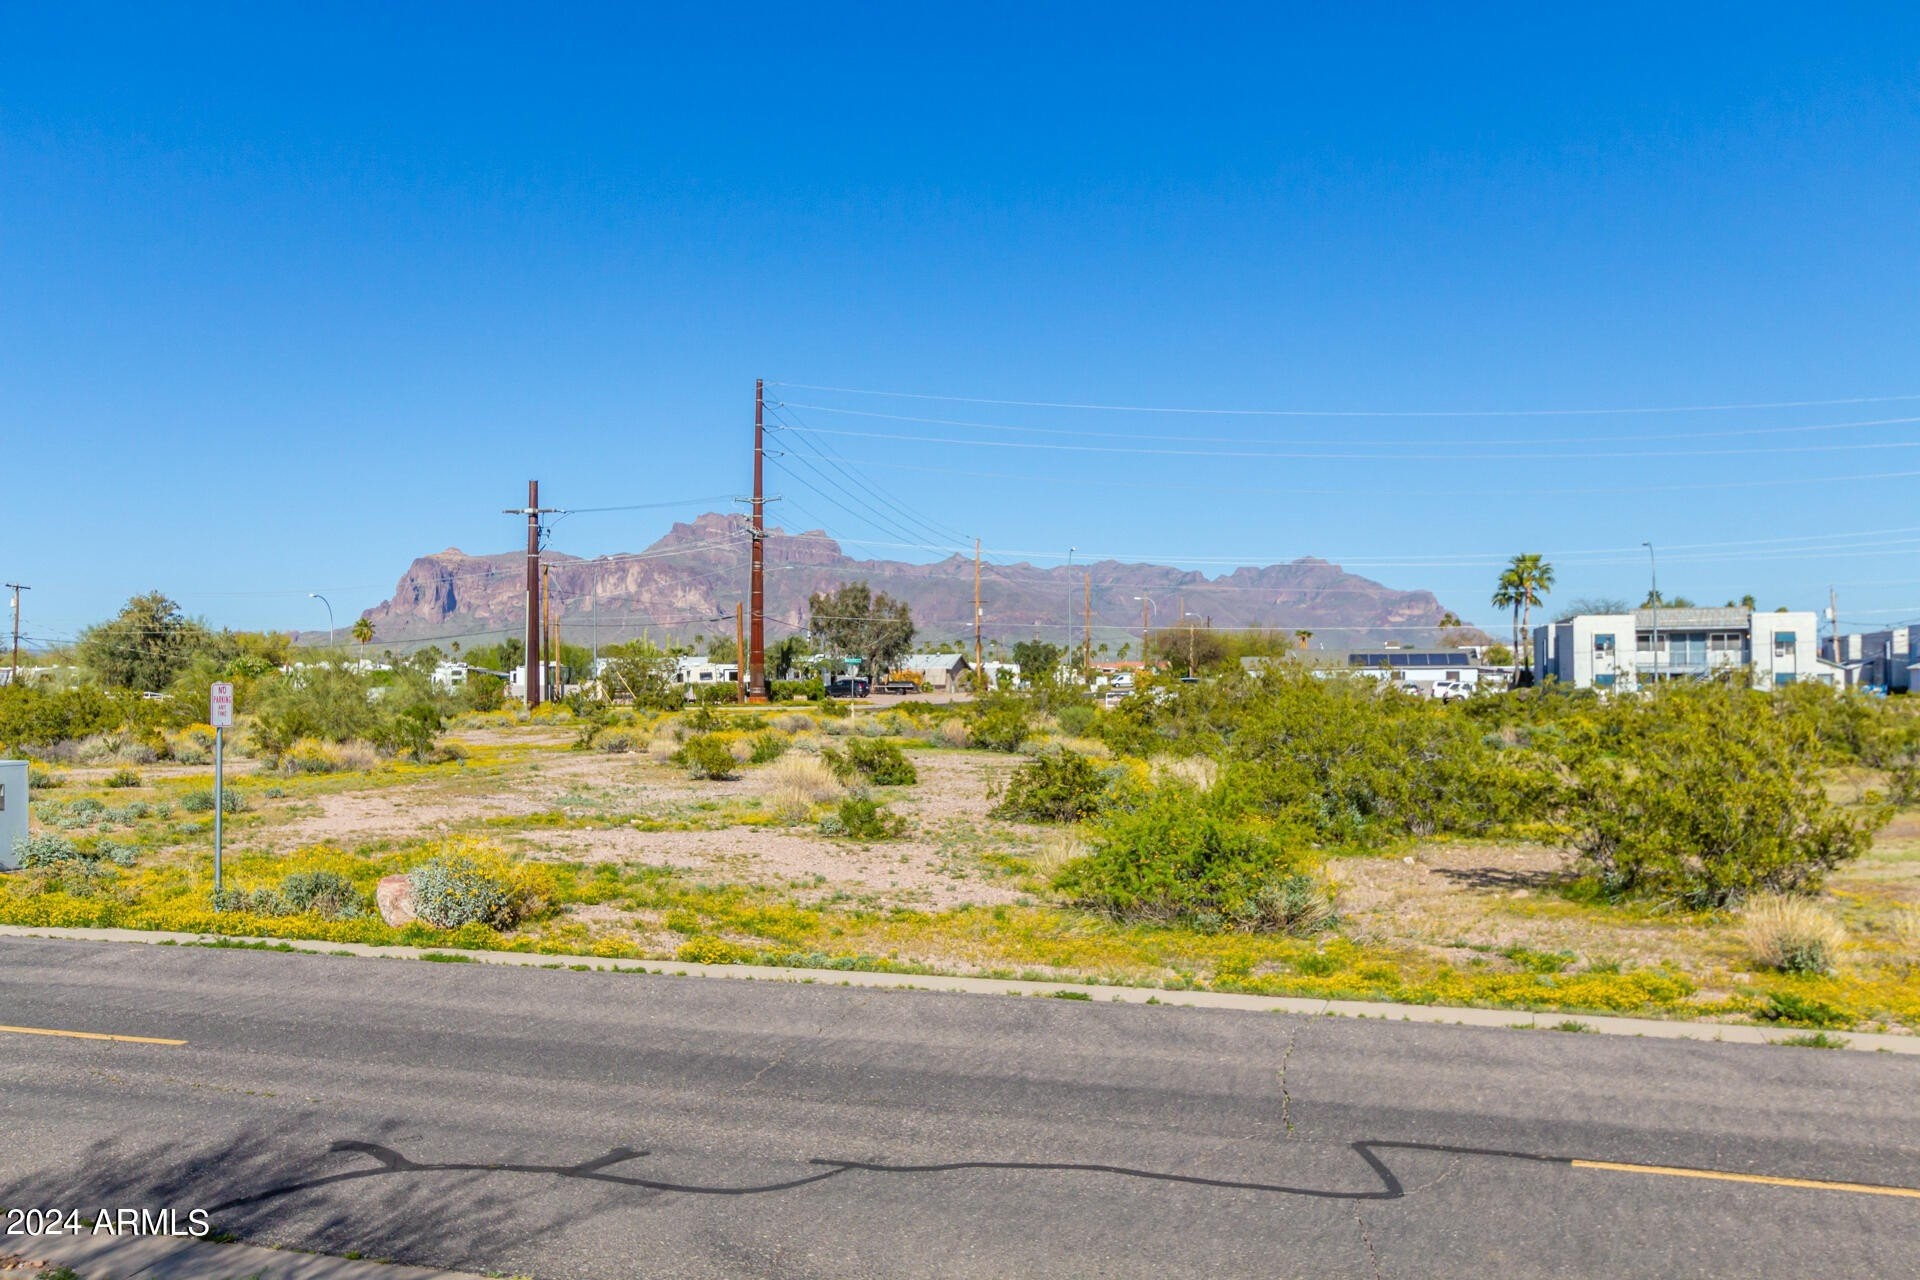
110,1257
1651,1028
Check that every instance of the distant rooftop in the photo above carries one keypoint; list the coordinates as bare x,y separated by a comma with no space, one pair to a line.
1736,618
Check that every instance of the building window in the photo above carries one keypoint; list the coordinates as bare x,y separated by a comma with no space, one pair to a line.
1643,642
1783,644
1603,644
1785,677
1725,642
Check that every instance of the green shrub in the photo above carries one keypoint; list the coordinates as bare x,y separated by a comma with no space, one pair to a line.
1054,786
767,747
999,723
705,756
861,818
327,894
123,778
46,850
1171,853
1801,1011
1705,796
457,888
257,902
873,760
1076,718
231,801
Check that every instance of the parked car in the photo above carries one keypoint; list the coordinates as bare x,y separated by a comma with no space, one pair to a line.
1451,690
850,687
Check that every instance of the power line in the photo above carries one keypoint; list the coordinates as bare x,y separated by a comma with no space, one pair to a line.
1133,435
1351,413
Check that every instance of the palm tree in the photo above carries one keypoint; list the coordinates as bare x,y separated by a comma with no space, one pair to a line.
363,631
1533,577
1303,635
1508,595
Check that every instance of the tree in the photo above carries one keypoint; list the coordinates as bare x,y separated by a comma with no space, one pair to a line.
1507,595
722,649
784,657
1592,604
363,631
1303,635
144,648
853,621
641,673
1527,578
1039,662
1499,656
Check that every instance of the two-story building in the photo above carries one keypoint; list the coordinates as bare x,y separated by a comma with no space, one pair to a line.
1630,650
1883,660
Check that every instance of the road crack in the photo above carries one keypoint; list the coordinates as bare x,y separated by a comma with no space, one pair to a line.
1366,1242
1286,1098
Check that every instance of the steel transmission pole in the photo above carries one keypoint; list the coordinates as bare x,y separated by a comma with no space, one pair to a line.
13,671
756,656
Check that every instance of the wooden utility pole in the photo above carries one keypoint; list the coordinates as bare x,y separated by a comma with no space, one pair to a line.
740,672
979,657
549,651
1833,620
1087,643
13,671
755,655
1146,631
532,511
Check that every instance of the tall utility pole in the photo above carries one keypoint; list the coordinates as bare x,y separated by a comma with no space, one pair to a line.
739,643
1088,642
533,511
13,671
1833,621
756,655
979,656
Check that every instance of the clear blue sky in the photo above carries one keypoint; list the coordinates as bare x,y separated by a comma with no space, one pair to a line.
290,295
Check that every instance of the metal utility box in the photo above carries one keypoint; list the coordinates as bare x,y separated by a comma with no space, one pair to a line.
13,810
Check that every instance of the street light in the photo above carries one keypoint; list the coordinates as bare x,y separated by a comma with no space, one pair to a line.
1653,598
315,595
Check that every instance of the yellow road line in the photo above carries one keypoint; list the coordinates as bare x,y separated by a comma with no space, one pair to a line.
1859,1188
90,1035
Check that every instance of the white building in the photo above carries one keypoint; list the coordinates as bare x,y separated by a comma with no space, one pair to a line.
944,672
1882,660
696,672
1629,650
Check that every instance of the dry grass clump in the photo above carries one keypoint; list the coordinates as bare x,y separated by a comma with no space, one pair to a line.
662,746
1198,772
1906,931
805,776
310,755
1056,851
1092,748
794,722
953,732
1792,935
741,748
806,742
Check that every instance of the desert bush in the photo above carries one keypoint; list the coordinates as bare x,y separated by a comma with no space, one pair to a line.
872,760
310,755
664,745
1054,786
469,883
41,778
766,748
45,850
1076,718
707,757
861,818
1791,934
201,801
1906,931
123,778
32,715
741,749
712,951
794,722
952,732
807,777
327,894
1170,853
999,723
260,901
1198,772
1057,850
1704,796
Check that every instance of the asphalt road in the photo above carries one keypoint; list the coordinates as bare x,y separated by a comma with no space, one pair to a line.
566,1124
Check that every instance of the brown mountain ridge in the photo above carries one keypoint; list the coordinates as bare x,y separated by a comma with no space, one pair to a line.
688,583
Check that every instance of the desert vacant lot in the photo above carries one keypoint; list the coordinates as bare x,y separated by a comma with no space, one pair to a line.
636,858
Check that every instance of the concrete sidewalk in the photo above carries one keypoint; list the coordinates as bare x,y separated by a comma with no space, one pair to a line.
171,1258
1652,1028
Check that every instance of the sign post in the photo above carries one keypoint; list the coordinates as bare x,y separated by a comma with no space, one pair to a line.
220,716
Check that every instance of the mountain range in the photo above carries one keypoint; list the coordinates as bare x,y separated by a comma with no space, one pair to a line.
687,584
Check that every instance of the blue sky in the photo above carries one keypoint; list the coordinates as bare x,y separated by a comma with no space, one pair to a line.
294,295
